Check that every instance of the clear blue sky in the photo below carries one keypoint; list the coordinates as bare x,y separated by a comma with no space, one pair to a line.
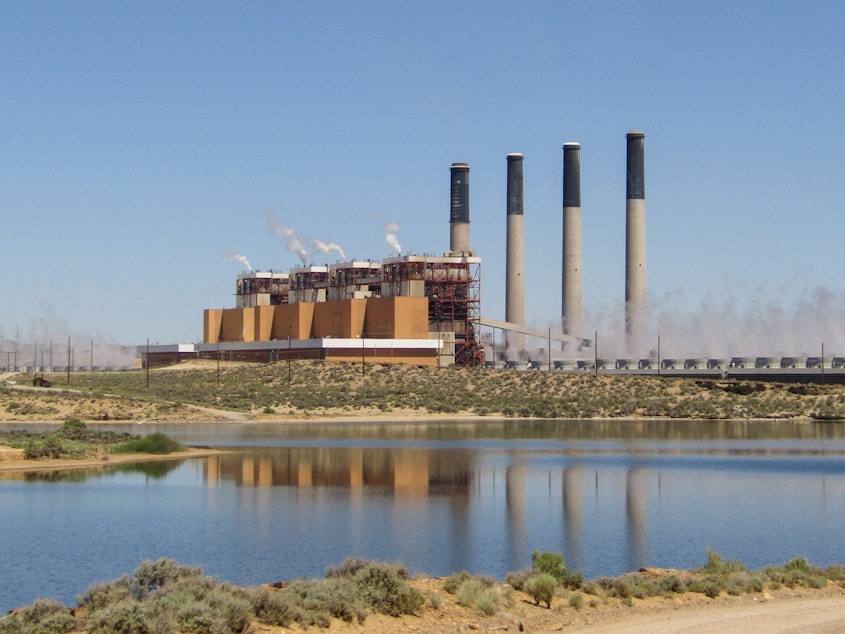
142,140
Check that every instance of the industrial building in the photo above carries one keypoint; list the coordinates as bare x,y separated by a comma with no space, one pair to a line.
425,309
420,309
411,309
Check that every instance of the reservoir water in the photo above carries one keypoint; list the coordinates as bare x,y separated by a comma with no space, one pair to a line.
287,501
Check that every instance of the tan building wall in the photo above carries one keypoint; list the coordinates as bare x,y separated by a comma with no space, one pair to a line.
342,319
294,320
397,318
238,324
399,355
212,319
263,322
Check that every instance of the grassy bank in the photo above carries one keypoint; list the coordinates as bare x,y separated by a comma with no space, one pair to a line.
75,440
164,596
319,388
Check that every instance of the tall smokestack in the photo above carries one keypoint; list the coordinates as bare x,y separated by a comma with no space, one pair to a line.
571,297
635,269
515,275
459,217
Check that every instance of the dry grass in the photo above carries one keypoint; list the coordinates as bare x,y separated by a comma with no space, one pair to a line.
321,388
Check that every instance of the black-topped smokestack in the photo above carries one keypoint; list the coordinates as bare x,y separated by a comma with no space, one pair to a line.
515,202
635,253
459,216
571,282
636,166
515,257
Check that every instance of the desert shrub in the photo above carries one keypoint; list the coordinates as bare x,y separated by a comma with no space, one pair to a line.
152,575
469,591
163,597
619,587
272,607
318,601
74,427
548,562
672,584
797,572
127,617
384,586
835,573
455,580
44,616
156,443
517,580
488,601
572,580
387,589
541,587
716,565
435,600
102,595
576,600
709,586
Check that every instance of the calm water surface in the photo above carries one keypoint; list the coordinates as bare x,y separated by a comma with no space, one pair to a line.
288,501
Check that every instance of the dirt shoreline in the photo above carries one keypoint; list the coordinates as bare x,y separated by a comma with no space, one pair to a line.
20,465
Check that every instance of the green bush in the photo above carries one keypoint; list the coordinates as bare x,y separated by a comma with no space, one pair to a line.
550,563
576,600
541,587
156,443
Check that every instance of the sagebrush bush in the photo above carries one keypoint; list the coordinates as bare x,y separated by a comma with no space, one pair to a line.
541,588
44,616
517,580
454,581
384,586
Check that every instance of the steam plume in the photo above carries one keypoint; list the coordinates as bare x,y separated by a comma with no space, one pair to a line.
327,248
292,241
235,257
390,230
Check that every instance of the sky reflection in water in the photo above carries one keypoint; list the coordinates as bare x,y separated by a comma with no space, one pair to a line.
292,500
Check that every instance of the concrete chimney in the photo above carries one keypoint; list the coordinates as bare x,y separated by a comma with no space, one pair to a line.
635,262
515,274
459,217
571,297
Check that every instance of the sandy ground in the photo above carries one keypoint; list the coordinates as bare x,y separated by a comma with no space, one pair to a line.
784,610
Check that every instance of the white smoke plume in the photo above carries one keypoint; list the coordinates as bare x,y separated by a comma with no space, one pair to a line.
327,248
292,241
236,257
727,323
390,230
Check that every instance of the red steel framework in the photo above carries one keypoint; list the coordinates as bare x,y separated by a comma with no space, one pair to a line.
453,289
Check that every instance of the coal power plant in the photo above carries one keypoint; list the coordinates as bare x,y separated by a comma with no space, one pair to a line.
426,309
